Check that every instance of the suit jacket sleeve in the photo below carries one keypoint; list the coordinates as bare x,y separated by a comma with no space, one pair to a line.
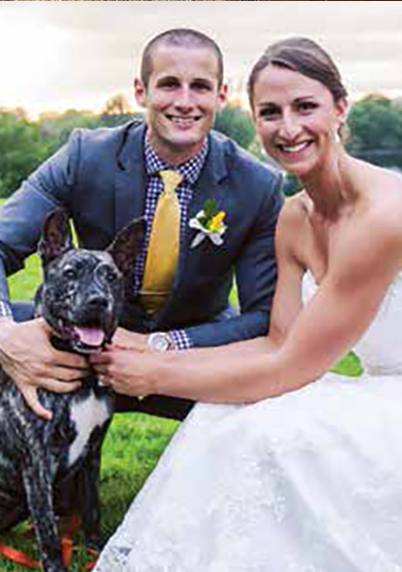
255,275
23,214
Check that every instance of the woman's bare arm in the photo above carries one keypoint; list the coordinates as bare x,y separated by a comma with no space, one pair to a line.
363,261
324,330
119,367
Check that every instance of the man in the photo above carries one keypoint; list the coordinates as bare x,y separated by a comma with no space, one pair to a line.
105,178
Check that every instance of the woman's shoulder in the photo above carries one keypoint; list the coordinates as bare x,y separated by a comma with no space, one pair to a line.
379,191
384,183
385,187
377,221
296,209
292,224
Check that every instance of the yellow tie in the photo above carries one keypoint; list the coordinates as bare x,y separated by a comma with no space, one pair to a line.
164,244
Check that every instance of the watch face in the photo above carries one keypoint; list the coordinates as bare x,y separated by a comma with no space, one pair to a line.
159,341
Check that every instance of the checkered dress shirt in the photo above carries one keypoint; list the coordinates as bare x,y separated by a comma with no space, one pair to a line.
191,171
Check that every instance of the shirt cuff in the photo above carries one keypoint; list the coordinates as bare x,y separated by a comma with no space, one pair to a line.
5,309
180,339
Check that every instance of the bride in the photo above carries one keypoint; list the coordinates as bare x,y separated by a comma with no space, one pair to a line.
284,467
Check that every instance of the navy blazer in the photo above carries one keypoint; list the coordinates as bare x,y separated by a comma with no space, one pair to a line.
99,178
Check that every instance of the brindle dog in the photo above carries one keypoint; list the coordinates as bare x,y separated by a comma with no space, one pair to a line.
81,298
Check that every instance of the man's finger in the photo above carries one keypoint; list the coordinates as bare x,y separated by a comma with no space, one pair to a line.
57,386
99,359
31,397
67,375
132,346
101,370
74,361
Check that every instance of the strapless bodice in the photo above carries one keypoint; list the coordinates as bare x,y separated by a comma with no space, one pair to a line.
380,348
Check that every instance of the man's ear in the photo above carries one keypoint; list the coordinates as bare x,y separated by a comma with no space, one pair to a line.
56,236
140,92
222,96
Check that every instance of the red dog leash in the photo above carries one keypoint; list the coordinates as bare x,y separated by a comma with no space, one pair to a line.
67,526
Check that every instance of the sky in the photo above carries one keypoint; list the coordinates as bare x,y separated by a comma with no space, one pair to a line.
62,54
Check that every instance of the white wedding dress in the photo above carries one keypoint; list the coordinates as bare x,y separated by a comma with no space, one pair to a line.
307,482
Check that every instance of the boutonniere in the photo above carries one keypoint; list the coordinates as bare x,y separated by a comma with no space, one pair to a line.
209,223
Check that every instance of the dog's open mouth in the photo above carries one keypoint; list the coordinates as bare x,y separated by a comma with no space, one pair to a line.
86,338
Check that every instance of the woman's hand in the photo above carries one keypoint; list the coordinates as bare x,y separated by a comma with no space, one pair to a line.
128,372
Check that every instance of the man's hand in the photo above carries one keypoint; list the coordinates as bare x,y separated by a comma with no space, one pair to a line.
126,340
28,357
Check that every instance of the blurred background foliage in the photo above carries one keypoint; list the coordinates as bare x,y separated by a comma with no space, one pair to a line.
374,134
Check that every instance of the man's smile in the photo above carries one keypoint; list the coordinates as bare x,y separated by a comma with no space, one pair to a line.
183,121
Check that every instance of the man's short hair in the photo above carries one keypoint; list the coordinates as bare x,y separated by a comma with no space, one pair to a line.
179,37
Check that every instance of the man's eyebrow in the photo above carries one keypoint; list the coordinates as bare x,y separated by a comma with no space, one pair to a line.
203,81
302,98
167,79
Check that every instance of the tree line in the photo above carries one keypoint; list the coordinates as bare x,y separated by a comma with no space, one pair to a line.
374,133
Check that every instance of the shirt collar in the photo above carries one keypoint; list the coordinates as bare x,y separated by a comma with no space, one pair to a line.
190,170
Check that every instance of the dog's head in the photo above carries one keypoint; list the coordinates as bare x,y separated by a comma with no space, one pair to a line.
82,292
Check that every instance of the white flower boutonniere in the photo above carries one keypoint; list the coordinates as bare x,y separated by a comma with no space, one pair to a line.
209,223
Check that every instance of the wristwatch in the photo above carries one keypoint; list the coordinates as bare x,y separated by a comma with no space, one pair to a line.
160,341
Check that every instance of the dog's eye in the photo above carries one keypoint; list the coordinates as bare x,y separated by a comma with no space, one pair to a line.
69,273
107,273
111,275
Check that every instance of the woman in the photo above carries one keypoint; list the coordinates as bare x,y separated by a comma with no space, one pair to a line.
307,476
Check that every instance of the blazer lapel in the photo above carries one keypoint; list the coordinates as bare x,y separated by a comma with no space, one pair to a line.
130,178
208,186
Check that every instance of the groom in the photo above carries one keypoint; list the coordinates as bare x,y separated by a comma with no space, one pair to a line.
106,177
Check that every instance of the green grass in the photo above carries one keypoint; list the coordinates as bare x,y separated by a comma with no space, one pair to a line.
24,283
130,452
132,448
350,365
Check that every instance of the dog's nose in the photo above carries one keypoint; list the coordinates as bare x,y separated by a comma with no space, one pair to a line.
97,302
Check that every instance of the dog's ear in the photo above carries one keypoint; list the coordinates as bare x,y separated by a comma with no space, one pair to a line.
56,236
127,245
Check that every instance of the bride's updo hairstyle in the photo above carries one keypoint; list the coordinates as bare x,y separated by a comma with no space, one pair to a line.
304,56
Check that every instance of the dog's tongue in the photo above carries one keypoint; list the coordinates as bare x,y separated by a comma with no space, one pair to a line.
90,336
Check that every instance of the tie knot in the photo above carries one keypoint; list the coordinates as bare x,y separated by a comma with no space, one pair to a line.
171,180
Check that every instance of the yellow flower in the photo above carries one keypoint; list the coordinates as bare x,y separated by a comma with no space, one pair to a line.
216,222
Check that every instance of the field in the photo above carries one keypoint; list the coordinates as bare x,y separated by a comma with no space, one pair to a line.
132,448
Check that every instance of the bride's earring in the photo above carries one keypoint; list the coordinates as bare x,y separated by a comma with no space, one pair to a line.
338,130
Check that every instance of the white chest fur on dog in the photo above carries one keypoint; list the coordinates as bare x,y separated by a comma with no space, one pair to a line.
87,415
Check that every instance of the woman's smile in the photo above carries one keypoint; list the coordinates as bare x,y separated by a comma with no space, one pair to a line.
296,118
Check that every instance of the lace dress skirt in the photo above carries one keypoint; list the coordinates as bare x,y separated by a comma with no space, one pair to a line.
310,481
